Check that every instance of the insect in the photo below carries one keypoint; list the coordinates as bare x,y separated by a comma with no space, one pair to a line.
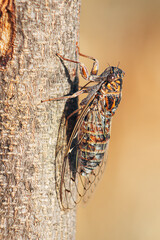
84,159
7,31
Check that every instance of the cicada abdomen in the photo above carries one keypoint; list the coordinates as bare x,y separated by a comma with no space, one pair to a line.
84,159
94,132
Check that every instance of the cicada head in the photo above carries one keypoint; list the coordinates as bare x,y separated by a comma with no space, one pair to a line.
113,73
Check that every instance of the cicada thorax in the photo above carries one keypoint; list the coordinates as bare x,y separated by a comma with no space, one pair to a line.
110,94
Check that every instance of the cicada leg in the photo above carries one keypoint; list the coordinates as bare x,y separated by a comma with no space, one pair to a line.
95,67
76,94
84,73
83,69
73,113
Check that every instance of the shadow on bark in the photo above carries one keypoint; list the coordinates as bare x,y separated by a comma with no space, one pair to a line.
64,132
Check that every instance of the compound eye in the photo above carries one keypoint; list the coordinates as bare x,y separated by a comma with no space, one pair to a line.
111,77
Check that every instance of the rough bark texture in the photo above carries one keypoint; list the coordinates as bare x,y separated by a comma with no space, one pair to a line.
29,128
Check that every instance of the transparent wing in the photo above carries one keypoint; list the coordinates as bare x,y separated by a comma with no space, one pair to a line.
71,185
66,162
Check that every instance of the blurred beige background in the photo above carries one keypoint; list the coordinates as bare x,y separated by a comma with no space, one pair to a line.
126,202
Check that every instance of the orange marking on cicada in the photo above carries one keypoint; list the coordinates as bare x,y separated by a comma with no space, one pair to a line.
91,151
96,141
113,105
90,132
93,139
113,84
109,86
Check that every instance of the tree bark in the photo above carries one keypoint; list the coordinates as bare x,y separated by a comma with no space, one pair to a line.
29,128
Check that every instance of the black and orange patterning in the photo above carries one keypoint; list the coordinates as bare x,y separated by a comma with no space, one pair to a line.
90,137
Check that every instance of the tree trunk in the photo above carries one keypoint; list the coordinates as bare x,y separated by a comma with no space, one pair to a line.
29,128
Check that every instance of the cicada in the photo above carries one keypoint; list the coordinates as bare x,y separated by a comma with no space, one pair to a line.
84,159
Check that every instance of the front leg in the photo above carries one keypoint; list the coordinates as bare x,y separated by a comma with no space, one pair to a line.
83,69
95,67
